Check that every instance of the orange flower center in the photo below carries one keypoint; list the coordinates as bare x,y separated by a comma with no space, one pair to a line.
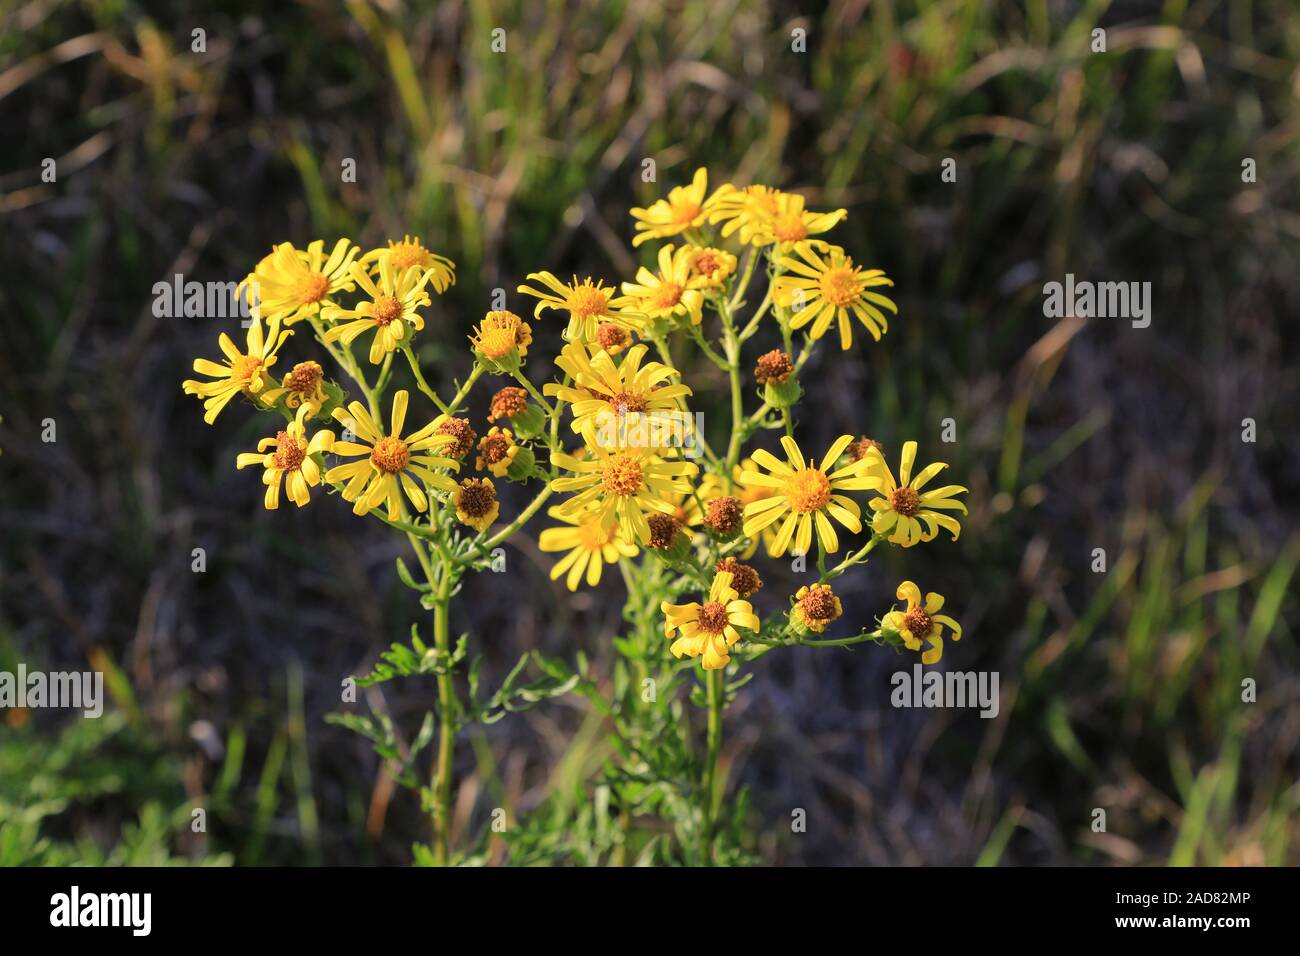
304,378
312,288
684,212
611,338
587,301
625,402
495,448
476,498
905,502
407,254
623,476
496,341
390,455
790,229
666,296
840,285
818,603
917,621
707,263
808,490
289,452
244,368
713,617
386,310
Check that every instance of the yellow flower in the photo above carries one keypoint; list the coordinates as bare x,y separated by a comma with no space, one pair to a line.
682,210
242,372
823,291
390,311
747,210
502,337
709,268
748,493
904,508
497,451
620,486
587,302
291,284
590,544
666,294
391,461
613,401
807,494
303,386
789,222
476,503
921,623
291,461
816,606
411,252
709,629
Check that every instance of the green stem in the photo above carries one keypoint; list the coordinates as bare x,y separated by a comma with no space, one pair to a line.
532,390
446,718
420,383
854,558
713,683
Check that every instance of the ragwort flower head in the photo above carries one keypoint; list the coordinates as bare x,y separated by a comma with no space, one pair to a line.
502,338
709,630
287,459
390,312
709,268
667,295
831,289
604,394
391,461
905,511
621,485
243,372
303,386
411,252
682,210
746,211
291,284
788,222
815,607
921,625
589,304
590,543
497,451
806,494
475,500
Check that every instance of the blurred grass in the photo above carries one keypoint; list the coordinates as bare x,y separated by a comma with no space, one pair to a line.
1121,691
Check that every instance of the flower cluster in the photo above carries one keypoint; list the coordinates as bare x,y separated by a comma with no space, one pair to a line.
616,456
705,510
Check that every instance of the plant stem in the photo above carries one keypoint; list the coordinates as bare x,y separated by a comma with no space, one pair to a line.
532,390
446,720
713,684
420,383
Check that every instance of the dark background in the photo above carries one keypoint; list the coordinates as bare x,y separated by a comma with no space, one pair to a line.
1120,691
